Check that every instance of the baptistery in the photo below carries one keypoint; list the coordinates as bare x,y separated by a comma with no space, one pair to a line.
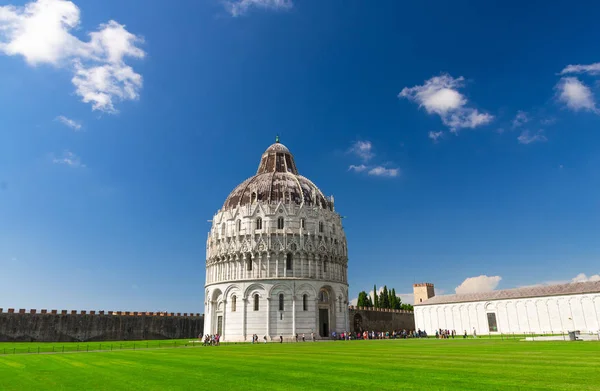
276,258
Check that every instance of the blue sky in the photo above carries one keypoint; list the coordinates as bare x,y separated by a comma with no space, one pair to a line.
459,140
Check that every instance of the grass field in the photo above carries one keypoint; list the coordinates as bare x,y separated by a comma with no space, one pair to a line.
371,365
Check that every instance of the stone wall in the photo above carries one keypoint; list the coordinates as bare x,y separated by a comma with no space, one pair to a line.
73,326
380,319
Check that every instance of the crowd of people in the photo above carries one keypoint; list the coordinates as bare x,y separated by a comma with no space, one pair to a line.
445,334
210,340
213,340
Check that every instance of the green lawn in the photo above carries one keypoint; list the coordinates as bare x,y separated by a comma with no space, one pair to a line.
357,365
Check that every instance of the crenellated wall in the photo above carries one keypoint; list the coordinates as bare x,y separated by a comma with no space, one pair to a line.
380,319
72,326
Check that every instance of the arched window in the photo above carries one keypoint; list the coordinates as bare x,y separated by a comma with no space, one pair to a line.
288,261
253,198
223,228
239,225
259,223
280,223
340,303
302,223
249,264
233,303
320,226
256,302
325,266
323,297
281,302
305,302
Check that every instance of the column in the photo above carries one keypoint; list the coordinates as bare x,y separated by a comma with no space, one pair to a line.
244,305
245,266
268,316
277,265
317,330
259,265
268,265
294,316
224,324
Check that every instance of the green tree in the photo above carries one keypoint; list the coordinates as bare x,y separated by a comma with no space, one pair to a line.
375,298
369,302
363,299
394,300
384,300
407,307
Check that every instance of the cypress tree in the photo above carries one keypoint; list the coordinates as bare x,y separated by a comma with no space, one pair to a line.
385,298
375,298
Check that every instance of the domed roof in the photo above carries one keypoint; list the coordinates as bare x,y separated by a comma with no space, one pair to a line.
277,179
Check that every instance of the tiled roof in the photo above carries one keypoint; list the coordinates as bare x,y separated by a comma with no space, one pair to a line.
518,293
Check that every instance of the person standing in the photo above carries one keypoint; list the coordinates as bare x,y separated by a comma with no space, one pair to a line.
312,335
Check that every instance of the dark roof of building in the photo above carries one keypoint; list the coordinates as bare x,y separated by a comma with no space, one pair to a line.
574,288
277,179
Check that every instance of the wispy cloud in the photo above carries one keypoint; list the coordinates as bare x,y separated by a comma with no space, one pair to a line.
70,159
520,119
363,149
383,171
592,69
548,121
528,137
439,95
581,277
40,31
575,95
71,123
478,284
359,168
241,7
435,136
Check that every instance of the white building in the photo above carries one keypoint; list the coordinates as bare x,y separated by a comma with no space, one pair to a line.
276,258
541,309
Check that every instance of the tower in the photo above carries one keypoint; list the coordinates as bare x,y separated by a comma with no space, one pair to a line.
423,291
276,257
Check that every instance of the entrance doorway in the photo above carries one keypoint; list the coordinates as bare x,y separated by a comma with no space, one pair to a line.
220,325
324,322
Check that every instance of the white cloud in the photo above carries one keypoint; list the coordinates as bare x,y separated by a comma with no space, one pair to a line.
520,119
241,7
435,135
382,171
40,31
576,95
527,137
359,168
478,284
439,95
582,277
592,69
69,122
363,149
70,159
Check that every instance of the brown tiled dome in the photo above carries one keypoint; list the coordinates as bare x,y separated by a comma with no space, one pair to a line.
277,179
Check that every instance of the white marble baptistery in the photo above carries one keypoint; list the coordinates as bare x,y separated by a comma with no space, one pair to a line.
276,258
